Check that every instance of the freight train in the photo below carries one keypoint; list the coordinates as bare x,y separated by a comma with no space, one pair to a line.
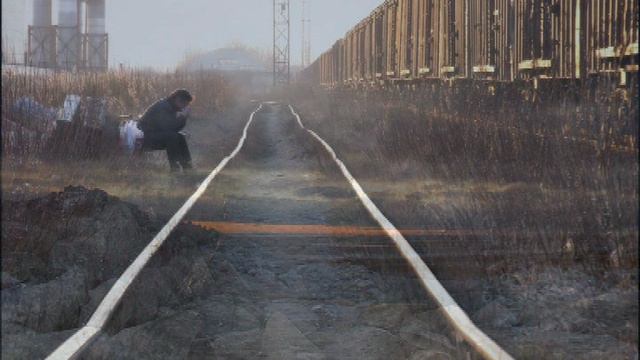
408,41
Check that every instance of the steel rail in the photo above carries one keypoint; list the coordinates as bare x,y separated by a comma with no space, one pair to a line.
74,345
453,312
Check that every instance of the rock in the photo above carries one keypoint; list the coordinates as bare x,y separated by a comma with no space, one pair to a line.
78,227
423,336
364,342
495,315
96,296
27,344
245,318
67,249
166,338
532,344
326,314
283,340
385,316
47,307
218,316
430,355
190,276
8,281
235,345
143,299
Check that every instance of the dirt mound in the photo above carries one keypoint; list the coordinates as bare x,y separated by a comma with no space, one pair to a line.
61,253
45,237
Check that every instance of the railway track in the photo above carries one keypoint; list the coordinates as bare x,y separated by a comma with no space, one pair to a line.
306,244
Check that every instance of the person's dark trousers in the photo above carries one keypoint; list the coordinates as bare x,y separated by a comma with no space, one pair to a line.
174,143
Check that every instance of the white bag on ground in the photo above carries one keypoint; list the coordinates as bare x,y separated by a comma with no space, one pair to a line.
129,135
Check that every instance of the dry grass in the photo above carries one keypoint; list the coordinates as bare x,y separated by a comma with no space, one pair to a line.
130,90
552,173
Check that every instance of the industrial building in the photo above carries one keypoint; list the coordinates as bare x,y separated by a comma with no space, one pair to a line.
14,31
55,34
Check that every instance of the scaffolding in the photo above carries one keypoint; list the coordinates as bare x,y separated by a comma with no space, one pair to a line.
64,48
281,43
306,36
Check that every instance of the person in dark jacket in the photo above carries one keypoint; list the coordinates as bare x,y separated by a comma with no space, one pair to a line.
162,123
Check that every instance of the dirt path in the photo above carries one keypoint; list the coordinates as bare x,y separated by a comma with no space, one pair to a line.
286,296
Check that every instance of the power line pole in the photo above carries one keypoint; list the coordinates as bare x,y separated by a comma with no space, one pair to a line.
306,36
281,43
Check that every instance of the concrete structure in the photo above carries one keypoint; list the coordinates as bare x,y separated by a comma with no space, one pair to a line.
41,45
68,39
96,40
77,42
14,31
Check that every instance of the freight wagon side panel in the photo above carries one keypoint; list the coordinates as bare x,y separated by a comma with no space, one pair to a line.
550,41
453,30
369,50
404,37
565,38
391,34
380,48
490,45
417,41
611,35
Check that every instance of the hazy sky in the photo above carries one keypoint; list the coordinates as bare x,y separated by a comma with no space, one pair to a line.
158,32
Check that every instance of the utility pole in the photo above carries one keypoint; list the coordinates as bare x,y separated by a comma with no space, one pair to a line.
281,43
306,36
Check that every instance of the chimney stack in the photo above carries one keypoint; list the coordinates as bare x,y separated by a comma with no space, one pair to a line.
68,42
96,51
66,46
42,38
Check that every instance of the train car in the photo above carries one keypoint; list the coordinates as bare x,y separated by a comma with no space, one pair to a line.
501,40
340,61
325,69
611,36
367,50
312,74
548,38
356,74
378,42
436,37
390,34
335,61
453,34
404,37
566,39
422,40
491,39
361,53
348,50
357,56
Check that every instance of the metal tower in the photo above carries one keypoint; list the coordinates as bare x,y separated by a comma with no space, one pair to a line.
281,43
306,36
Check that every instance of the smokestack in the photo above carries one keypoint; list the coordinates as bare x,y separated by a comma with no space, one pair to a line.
42,37
97,45
42,13
68,34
